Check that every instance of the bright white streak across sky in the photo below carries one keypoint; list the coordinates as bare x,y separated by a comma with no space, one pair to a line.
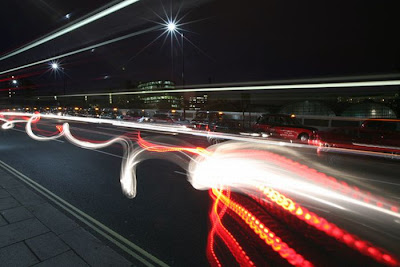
254,88
81,50
73,27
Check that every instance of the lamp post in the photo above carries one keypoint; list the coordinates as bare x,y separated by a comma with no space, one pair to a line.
183,61
172,28
14,82
183,77
56,67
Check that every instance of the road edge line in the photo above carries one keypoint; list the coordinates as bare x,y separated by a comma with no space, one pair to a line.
86,219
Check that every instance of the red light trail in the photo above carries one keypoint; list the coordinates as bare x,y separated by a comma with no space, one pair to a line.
262,191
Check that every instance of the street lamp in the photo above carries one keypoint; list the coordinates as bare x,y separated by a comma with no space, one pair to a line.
183,61
172,28
55,66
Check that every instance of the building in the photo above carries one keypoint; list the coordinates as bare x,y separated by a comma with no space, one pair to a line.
156,85
198,102
159,100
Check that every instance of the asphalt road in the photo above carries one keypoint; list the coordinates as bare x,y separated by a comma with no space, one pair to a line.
168,218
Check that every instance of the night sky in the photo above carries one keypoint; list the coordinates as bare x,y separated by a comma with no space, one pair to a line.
236,41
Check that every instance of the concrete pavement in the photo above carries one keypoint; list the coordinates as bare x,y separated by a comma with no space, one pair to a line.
34,233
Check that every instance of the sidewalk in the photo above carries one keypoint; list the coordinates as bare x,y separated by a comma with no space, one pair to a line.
34,233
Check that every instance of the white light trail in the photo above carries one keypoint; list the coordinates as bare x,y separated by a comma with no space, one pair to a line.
127,176
81,50
73,27
228,165
243,167
249,168
132,154
179,129
252,88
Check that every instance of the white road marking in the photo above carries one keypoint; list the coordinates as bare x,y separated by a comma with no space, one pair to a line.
106,153
129,247
183,173
57,140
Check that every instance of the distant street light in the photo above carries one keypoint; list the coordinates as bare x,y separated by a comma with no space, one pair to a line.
14,81
56,67
68,16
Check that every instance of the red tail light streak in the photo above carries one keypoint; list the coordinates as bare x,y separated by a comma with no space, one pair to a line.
262,230
272,180
218,229
330,229
162,148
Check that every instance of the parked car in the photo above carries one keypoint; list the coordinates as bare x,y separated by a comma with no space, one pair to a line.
108,115
161,118
177,119
284,126
132,116
215,122
335,136
383,132
381,135
207,120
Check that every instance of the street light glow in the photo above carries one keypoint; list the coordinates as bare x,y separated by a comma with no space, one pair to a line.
14,82
54,66
171,26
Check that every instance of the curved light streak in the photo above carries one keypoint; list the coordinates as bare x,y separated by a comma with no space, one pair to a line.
228,165
239,168
277,172
71,28
218,229
10,124
179,129
262,230
132,155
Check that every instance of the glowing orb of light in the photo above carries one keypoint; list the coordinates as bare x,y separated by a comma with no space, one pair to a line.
171,26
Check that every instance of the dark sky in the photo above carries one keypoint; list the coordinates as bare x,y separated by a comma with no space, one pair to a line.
236,41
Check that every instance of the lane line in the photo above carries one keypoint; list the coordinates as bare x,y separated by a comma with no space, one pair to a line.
57,140
178,172
106,153
95,225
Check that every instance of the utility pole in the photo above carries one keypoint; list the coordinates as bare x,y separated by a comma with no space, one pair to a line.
183,77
